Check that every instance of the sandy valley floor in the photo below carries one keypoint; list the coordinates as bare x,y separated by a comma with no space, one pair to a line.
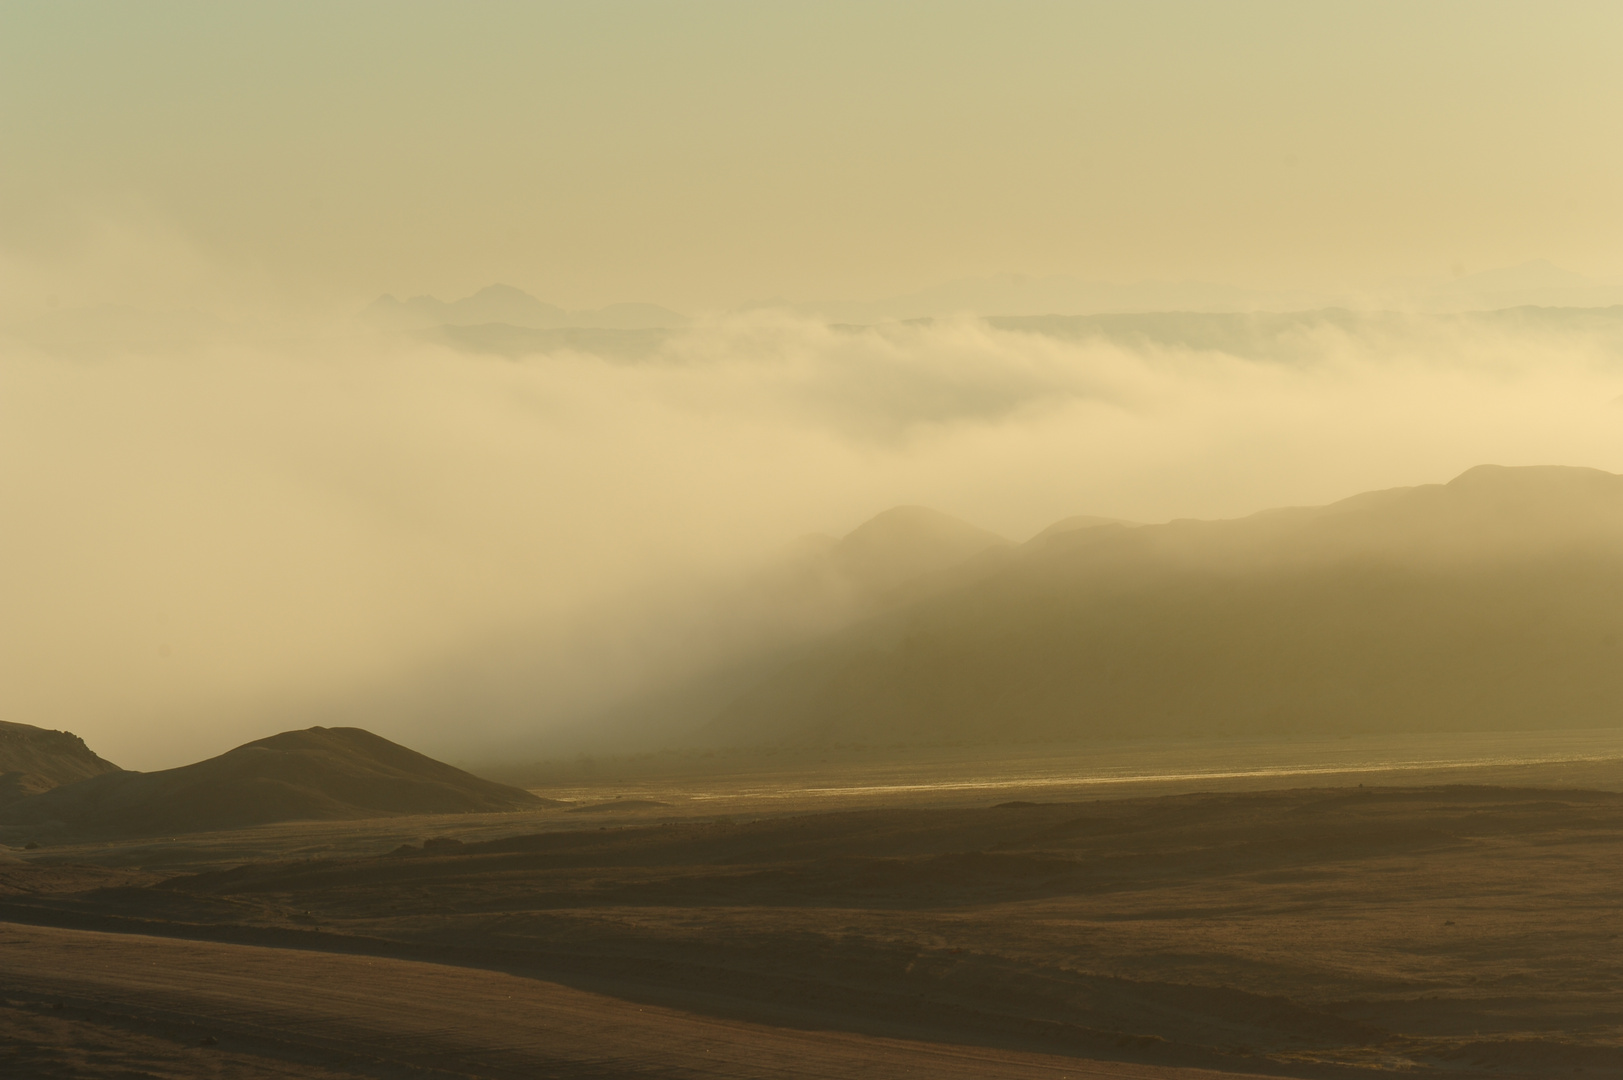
151,1002
1333,930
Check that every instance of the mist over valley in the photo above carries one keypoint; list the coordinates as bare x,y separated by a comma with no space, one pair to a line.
708,540
483,554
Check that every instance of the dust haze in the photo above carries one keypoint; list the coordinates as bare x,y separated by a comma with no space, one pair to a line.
1019,540
217,526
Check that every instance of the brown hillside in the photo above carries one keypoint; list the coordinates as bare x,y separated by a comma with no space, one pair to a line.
318,773
34,759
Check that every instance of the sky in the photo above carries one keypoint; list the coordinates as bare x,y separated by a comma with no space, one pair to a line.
705,155
233,507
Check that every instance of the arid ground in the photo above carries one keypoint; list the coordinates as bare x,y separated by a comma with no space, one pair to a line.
1429,921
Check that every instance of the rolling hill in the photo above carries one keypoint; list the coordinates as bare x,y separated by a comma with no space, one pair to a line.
34,759
314,774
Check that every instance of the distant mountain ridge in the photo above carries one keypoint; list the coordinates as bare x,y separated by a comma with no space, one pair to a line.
1492,602
315,774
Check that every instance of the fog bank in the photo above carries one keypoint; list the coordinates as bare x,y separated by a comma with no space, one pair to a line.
215,532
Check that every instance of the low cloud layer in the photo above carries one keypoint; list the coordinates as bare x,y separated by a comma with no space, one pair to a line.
214,533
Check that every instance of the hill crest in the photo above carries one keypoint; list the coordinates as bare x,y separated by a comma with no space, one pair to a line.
316,773
34,760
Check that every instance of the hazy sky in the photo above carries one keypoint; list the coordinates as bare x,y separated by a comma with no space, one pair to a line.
704,154
214,528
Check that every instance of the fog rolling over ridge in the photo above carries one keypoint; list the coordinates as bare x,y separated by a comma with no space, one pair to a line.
562,544
990,541
1492,602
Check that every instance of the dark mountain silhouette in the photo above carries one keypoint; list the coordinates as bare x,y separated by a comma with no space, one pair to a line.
34,759
1491,602
315,774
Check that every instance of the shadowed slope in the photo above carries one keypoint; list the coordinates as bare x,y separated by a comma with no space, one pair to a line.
1436,932
33,760
318,773
1494,601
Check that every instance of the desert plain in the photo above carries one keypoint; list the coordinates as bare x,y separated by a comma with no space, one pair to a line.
1346,908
